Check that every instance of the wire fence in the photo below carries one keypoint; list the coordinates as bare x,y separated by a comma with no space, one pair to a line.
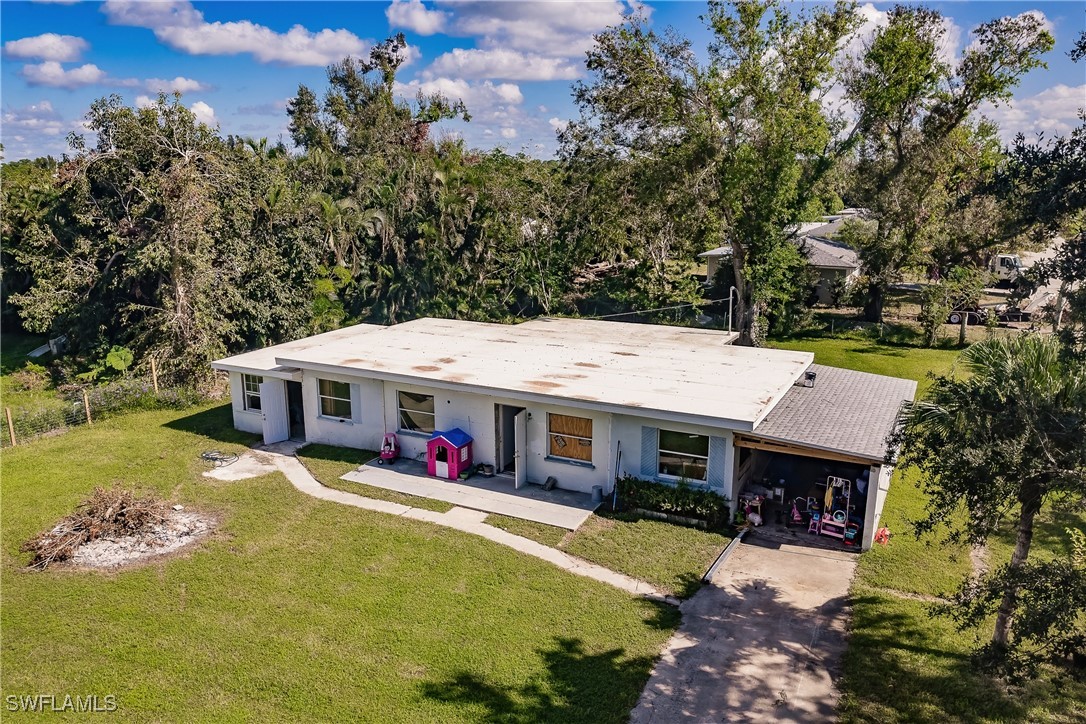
73,406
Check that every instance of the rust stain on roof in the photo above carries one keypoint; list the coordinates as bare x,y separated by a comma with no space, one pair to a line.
626,354
543,384
566,376
586,364
447,360
454,378
426,368
352,360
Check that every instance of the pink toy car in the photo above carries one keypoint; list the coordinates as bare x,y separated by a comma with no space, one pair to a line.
390,449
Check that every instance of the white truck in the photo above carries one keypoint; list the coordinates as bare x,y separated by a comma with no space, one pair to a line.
1005,268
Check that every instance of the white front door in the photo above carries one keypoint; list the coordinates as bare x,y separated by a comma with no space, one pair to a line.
273,405
520,453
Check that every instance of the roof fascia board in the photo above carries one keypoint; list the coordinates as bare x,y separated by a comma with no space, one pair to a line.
294,375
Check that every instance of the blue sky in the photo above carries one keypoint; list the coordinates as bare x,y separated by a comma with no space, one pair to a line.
512,62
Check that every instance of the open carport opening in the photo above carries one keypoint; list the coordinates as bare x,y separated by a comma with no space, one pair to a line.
804,500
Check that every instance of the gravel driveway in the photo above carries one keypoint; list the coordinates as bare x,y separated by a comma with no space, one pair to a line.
761,643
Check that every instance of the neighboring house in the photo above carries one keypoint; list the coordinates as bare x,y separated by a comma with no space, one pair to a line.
834,261
583,401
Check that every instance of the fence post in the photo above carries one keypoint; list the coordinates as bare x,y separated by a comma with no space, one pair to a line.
86,406
154,375
11,426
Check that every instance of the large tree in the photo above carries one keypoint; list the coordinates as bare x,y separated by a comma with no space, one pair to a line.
729,150
911,103
1000,440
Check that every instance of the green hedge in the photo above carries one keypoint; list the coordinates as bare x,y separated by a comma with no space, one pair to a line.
681,499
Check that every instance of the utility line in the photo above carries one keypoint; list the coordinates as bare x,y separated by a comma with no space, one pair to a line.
660,309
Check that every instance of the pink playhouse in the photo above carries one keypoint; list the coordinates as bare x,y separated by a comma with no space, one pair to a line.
448,453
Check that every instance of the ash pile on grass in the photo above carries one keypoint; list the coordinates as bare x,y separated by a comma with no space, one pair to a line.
114,527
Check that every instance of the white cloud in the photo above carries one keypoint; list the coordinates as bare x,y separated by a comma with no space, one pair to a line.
35,130
547,28
182,27
414,16
509,132
502,63
1053,111
558,124
204,113
53,74
175,85
48,46
144,101
479,97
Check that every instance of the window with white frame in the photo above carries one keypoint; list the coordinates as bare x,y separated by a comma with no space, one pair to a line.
251,393
416,411
682,455
335,398
569,437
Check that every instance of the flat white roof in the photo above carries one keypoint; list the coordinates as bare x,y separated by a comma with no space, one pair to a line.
262,361
671,373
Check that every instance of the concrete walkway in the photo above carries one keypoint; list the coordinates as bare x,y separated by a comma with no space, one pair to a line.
281,457
559,508
761,643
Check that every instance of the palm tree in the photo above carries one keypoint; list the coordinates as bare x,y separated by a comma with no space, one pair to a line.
1000,442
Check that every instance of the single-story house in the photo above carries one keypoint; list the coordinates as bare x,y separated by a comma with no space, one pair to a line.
582,401
834,261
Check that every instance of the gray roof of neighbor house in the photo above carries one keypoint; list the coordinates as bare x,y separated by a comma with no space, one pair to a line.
845,411
821,252
828,254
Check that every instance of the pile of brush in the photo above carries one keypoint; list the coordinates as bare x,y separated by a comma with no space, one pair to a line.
109,512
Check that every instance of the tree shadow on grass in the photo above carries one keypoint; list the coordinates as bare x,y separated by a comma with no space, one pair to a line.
901,667
578,686
216,423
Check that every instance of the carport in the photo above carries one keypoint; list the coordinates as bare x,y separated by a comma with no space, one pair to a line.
829,430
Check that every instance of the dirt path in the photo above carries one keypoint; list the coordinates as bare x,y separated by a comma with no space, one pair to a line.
762,643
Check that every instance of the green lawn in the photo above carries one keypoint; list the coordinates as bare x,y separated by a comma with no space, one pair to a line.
671,557
902,665
329,463
299,609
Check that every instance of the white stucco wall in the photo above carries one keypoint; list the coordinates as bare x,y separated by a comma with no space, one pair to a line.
365,428
244,420
626,430
476,415
879,487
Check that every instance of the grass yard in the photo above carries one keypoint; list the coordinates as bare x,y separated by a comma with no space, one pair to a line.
329,463
299,609
671,557
902,665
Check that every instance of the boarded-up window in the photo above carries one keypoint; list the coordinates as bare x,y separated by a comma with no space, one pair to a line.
569,437
683,456
416,411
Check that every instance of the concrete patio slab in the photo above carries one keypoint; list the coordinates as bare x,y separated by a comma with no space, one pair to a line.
560,508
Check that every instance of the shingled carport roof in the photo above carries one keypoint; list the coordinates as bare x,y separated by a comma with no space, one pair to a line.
846,412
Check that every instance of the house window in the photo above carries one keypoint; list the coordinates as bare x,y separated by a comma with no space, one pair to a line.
335,398
416,412
251,395
569,437
683,456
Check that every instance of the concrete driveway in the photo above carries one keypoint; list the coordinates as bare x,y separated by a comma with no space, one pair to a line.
761,643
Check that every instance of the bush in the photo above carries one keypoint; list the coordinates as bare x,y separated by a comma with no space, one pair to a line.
128,395
30,377
681,499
